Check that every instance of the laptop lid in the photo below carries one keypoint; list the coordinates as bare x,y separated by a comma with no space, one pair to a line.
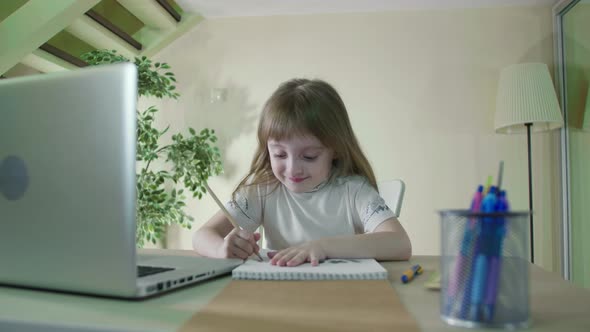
67,180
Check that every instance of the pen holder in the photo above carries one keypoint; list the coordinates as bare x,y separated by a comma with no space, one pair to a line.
484,269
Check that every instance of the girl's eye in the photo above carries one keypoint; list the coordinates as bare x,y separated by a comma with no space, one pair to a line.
279,155
309,158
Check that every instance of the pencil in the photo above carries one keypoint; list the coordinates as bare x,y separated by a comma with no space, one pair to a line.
227,215
500,173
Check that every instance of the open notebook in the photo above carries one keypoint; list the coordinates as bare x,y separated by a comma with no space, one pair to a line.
330,269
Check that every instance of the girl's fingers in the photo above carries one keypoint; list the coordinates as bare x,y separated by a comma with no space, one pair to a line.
287,257
244,245
277,256
314,259
250,238
298,259
244,234
252,242
239,252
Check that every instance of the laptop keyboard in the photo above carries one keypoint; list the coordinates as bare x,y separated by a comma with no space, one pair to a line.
143,271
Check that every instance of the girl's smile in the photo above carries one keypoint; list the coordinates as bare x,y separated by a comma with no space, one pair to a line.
300,162
297,180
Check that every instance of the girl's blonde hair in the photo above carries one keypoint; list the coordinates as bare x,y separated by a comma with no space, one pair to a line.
302,107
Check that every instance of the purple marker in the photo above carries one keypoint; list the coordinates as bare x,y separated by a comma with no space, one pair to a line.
464,259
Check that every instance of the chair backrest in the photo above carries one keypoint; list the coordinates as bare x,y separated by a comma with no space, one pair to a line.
392,192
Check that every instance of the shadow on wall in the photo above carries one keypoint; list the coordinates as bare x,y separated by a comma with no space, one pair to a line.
232,119
199,67
226,109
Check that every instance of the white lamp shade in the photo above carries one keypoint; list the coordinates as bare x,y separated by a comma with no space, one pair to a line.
526,95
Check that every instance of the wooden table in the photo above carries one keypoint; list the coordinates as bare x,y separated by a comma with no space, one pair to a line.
556,305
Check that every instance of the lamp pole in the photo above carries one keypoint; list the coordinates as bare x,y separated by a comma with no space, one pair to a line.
528,136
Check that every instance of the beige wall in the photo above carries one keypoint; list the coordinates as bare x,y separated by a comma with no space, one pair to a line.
420,88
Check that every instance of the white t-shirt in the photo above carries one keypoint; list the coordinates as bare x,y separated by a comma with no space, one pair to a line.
341,206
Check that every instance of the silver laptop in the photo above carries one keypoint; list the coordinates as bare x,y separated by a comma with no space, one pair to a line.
67,188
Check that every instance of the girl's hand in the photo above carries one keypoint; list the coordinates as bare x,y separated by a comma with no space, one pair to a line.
239,243
308,252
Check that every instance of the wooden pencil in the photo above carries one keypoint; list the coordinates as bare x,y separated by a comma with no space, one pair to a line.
227,215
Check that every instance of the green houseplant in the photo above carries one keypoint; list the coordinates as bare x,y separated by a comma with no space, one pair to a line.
190,159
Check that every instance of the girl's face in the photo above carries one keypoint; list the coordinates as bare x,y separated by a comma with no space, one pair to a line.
301,162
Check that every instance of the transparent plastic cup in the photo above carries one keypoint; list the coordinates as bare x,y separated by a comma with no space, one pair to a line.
485,269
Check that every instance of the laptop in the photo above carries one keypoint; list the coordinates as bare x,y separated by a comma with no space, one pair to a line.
68,190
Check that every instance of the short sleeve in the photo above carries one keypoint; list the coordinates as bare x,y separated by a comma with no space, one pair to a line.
247,207
371,207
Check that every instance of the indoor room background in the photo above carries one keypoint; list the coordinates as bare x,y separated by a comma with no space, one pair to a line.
420,89
419,84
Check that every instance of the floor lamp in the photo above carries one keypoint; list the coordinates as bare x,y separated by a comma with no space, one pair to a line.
526,102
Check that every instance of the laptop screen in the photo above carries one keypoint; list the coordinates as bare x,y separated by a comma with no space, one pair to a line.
67,179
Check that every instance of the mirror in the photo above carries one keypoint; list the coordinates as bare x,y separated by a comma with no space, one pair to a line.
572,24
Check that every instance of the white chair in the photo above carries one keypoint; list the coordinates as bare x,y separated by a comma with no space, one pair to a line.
392,192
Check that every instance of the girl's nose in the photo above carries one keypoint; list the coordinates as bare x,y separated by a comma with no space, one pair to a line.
295,167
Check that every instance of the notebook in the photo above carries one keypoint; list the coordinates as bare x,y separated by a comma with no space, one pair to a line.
329,269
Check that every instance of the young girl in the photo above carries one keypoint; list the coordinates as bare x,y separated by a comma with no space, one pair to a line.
310,186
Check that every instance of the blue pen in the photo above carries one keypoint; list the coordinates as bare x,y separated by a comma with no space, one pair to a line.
502,206
477,240
482,253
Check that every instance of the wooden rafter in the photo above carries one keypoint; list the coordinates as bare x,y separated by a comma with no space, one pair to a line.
114,29
169,9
